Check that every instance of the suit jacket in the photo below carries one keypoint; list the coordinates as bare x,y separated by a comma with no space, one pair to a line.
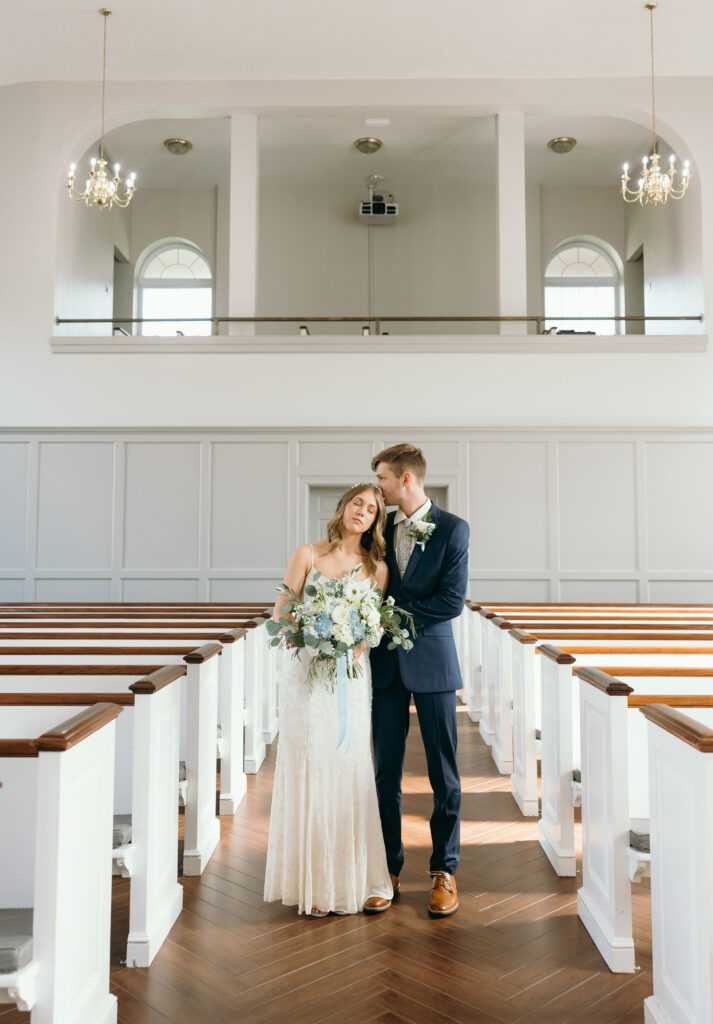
433,590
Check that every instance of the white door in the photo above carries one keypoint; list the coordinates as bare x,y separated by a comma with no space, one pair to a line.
323,502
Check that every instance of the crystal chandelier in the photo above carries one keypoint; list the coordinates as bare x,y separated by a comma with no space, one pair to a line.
655,185
100,190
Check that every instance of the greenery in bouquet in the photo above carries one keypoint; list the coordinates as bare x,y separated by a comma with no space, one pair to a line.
335,616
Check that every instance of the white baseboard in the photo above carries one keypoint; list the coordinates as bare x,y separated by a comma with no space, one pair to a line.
563,861
229,802
270,733
251,765
528,808
618,953
142,948
194,861
504,765
487,735
654,1012
474,714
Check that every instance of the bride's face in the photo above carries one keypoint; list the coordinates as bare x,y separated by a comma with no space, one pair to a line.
360,513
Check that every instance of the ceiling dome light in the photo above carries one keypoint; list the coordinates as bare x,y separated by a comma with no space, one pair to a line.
368,145
562,144
179,147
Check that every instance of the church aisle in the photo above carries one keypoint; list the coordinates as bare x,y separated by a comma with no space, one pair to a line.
514,952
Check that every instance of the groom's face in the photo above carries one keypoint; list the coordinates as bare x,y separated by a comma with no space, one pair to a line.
391,486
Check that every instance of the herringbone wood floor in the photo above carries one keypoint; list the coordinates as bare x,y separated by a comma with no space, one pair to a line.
514,952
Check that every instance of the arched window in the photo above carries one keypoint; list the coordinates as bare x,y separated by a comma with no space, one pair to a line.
175,281
582,279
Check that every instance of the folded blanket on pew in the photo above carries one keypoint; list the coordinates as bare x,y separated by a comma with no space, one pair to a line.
121,833
15,939
639,837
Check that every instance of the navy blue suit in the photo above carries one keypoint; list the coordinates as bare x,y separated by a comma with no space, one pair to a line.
433,590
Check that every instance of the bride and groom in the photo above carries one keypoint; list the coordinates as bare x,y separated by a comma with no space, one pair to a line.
335,825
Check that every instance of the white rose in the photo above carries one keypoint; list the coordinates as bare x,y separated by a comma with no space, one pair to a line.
342,634
340,614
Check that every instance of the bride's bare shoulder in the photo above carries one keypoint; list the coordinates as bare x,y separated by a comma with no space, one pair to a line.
381,574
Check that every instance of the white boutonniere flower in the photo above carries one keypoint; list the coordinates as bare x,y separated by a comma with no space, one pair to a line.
421,530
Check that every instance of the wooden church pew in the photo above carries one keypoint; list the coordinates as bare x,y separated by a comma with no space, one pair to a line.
615,791
144,792
681,808
58,772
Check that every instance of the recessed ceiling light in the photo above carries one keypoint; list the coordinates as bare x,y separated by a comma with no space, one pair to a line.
179,147
368,145
563,144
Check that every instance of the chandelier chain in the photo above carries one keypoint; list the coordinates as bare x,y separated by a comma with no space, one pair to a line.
106,18
653,98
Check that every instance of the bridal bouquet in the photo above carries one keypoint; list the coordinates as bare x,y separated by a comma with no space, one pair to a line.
334,617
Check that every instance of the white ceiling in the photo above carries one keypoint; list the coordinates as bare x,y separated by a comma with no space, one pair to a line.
416,151
232,40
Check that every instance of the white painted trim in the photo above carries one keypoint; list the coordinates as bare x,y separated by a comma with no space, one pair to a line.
264,344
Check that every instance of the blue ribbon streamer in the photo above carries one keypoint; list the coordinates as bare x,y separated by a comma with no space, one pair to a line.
344,665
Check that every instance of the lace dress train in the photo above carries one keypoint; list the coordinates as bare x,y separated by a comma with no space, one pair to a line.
325,847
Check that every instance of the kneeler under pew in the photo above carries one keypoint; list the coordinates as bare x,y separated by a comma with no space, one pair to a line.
56,800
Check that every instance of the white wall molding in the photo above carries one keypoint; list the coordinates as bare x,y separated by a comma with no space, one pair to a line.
556,514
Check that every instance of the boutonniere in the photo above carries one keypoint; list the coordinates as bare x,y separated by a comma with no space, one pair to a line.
421,530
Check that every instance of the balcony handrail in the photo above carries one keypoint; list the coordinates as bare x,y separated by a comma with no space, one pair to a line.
377,321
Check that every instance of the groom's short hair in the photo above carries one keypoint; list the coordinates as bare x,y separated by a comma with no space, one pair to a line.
400,458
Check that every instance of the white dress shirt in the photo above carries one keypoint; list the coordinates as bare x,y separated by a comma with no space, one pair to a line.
404,545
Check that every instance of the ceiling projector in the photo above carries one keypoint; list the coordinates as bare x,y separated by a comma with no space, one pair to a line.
380,207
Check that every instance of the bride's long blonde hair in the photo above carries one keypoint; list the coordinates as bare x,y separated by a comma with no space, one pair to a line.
372,542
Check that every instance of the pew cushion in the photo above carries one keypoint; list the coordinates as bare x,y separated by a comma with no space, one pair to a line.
15,939
121,834
639,837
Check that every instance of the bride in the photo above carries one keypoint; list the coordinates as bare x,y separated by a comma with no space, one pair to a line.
325,849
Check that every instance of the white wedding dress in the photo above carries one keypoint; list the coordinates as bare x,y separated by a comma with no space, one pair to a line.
325,848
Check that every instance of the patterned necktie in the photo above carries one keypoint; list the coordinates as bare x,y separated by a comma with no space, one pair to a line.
403,551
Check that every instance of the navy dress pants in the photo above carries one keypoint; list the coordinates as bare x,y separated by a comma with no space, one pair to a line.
437,719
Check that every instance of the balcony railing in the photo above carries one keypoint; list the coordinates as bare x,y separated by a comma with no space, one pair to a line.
375,322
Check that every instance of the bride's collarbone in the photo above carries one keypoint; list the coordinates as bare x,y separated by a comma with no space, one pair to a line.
329,566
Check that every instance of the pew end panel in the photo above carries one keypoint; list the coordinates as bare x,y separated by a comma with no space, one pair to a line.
525,677
233,781
681,777
490,650
255,658
502,748
475,669
72,795
202,827
559,759
156,895
604,899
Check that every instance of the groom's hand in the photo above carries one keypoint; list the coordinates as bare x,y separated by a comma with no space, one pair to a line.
358,651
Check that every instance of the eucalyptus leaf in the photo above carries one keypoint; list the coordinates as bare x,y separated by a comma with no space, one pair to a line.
272,627
312,641
310,591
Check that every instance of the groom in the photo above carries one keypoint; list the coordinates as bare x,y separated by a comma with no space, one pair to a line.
427,556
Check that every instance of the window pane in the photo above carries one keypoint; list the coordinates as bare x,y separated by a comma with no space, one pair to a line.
177,303
580,261
586,300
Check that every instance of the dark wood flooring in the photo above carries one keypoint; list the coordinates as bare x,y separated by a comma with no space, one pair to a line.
514,952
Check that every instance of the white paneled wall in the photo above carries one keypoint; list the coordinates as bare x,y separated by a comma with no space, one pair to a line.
555,514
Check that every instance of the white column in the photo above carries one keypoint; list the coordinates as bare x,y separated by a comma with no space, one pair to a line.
244,190
512,249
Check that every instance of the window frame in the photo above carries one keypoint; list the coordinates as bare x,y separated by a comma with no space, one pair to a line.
143,282
615,280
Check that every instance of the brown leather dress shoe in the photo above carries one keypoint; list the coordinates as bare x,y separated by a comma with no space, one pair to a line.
377,904
444,895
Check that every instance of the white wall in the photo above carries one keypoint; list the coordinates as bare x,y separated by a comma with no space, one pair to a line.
671,237
188,213
317,258
555,515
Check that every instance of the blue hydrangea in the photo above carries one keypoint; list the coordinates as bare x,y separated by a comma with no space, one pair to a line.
323,625
357,626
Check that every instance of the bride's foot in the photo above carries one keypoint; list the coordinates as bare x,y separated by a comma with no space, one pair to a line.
316,912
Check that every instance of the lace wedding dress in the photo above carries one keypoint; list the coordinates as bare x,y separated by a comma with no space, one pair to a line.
325,848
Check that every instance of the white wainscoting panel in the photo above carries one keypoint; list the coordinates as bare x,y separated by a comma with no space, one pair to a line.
496,591
249,486
509,502
679,499
161,505
600,591
75,505
556,514
597,506
160,590
681,591
12,590
13,502
73,589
